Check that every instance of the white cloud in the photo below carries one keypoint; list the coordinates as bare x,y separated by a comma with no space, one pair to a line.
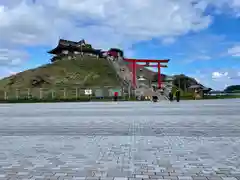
217,79
204,57
198,80
6,71
198,57
168,40
235,5
234,51
12,58
121,22
217,75
226,6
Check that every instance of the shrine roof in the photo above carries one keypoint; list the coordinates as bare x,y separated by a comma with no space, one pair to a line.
80,46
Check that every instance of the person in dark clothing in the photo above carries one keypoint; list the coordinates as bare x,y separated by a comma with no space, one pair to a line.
154,98
115,96
170,95
178,95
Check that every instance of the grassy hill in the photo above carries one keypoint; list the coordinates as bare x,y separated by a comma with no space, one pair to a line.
85,72
67,75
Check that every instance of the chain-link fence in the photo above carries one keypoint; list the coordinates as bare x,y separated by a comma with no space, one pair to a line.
60,93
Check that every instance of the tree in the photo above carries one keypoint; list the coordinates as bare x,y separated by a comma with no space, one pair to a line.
88,46
232,88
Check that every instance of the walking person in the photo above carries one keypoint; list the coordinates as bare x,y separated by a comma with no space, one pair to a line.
178,95
115,96
170,96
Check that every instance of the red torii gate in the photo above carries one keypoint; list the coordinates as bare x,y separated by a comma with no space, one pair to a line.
147,61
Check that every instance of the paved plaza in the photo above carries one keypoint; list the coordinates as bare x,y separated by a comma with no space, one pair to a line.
190,140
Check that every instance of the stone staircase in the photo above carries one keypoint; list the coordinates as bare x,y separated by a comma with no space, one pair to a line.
125,75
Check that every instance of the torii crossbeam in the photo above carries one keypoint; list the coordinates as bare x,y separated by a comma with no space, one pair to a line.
147,61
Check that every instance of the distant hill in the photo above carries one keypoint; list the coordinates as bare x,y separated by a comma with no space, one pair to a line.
233,88
83,72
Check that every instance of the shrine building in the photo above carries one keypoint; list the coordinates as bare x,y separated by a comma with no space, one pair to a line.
70,50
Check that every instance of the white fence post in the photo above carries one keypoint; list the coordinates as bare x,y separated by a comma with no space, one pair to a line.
64,93
40,93
5,95
52,94
76,93
28,93
17,93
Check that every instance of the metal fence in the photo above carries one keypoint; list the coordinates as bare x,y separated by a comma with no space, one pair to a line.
59,93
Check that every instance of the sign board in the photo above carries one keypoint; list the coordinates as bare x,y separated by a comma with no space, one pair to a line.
99,93
88,91
112,91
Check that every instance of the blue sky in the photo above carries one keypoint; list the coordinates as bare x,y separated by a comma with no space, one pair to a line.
201,38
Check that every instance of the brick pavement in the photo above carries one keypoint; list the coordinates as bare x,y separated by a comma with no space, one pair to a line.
191,140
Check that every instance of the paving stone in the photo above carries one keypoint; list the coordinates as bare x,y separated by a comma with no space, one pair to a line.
134,178
142,176
185,178
171,177
221,175
149,173
92,178
51,177
117,173
199,178
156,177
106,178
214,178
174,174
229,178
60,174
183,146
120,178
37,178
79,178
162,174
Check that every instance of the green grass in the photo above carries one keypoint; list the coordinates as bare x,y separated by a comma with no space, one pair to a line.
57,100
82,72
212,97
222,97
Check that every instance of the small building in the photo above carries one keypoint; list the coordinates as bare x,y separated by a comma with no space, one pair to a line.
199,90
114,52
99,93
70,50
